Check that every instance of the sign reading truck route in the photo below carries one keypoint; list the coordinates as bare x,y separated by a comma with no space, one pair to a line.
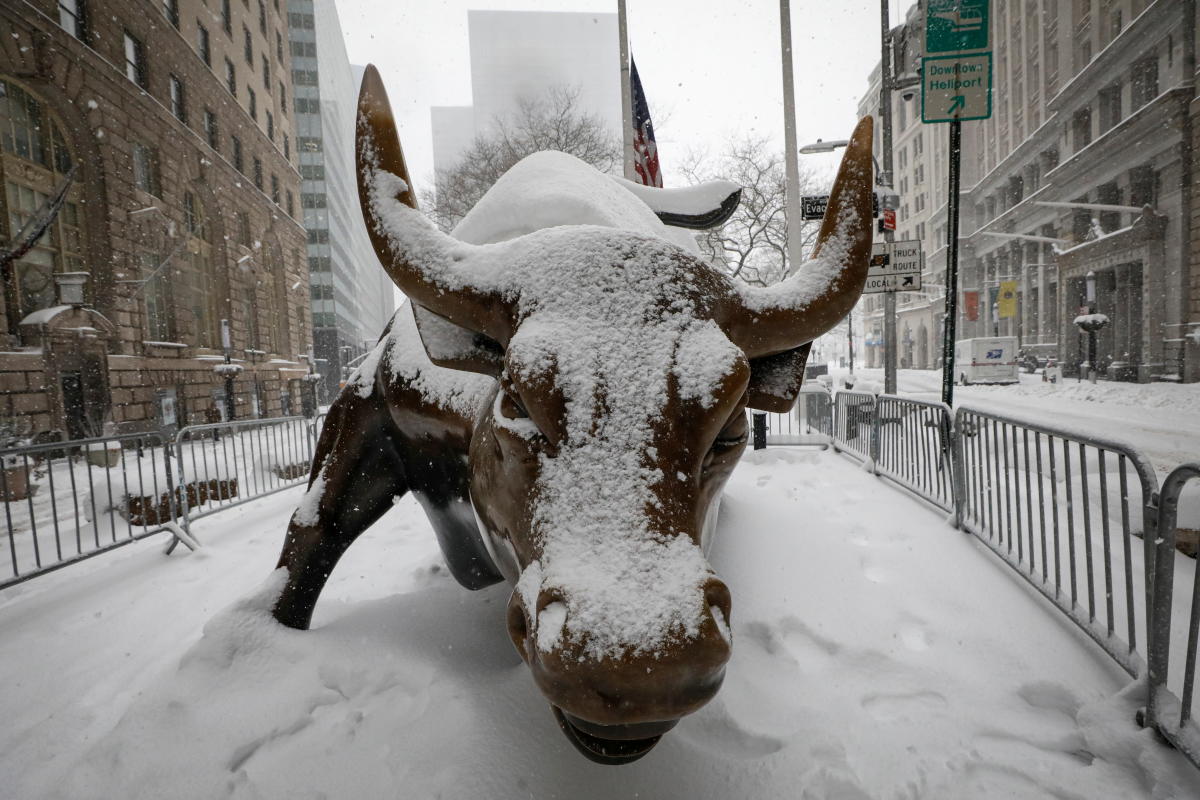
895,267
956,84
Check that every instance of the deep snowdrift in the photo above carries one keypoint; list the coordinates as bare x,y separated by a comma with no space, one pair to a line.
877,653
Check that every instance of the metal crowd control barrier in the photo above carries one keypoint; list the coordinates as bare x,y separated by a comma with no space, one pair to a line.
1170,714
226,464
1044,501
914,448
810,422
854,424
67,501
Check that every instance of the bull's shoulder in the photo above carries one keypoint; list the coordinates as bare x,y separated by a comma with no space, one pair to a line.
399,369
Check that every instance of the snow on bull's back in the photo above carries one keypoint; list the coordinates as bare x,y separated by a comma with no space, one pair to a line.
548,189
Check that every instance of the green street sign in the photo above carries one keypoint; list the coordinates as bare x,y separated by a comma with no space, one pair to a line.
956,87
952,26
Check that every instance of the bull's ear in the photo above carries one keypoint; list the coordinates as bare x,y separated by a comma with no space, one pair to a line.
775,380
454,347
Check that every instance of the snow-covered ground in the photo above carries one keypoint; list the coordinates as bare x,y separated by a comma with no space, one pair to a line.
877,653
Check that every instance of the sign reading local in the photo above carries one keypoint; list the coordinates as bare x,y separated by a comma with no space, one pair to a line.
956,75
895,267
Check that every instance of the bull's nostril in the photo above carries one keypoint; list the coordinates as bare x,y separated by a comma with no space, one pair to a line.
518,626
719,603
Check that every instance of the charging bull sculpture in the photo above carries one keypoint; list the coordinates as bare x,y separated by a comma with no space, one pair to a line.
567,401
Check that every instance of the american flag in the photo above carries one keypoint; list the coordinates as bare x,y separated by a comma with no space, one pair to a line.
645,151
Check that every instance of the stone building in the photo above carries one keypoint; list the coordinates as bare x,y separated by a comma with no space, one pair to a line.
1085,166
175,116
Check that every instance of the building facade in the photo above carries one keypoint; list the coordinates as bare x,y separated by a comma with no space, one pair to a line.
173,118
352,297
1084,168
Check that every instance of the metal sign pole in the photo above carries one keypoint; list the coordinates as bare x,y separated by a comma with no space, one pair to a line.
952,203
626,94
790,152
885,178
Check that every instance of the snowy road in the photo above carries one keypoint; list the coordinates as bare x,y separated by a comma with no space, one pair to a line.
877,654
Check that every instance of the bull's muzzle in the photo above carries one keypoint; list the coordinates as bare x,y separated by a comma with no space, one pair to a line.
615,709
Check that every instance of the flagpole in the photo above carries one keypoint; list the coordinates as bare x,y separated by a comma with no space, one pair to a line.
790,151
626,94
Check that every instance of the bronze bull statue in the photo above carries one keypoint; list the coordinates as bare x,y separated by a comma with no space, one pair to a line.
567,404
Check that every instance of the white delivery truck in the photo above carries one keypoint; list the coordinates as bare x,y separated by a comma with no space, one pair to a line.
991,360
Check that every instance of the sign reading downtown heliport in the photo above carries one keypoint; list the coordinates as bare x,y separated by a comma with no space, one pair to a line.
895,267
956,74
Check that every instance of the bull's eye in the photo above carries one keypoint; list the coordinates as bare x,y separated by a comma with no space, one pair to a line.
510,406
734,433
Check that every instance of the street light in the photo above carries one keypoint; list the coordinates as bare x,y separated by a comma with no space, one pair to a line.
1091,323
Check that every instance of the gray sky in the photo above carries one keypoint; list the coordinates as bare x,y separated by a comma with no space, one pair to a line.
710,70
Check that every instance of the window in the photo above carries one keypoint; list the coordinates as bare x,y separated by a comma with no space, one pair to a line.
238,163
282,99
266,72
202,44
287,147
211,133
191,219
1110,107
247,46
226,18
196,282
1142,185
262,18
70,18
171,11
243,228
31,138
253,103
275,198
1081,128
309,144
231,77
312,172
279,46
156,291
178,106
291,203
258,173
1145,81
270,126
145,169
135,60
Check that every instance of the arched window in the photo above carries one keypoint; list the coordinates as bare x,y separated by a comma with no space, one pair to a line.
274,284
34,160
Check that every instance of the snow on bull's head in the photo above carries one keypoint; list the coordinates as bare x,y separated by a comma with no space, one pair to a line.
624,369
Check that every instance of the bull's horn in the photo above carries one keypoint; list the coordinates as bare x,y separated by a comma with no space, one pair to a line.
825,288
426,264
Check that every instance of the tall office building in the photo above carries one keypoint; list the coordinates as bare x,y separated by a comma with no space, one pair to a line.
352,297
173,120
519,55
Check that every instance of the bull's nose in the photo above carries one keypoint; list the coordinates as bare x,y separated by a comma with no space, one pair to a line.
674,680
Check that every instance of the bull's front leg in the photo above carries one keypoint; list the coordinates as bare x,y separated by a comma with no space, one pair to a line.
356,473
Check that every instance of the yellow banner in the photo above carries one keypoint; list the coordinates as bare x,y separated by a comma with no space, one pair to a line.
1007,301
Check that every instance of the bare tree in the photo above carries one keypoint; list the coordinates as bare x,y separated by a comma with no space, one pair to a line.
752,245
552,121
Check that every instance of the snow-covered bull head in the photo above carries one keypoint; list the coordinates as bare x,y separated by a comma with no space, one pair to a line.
624,366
